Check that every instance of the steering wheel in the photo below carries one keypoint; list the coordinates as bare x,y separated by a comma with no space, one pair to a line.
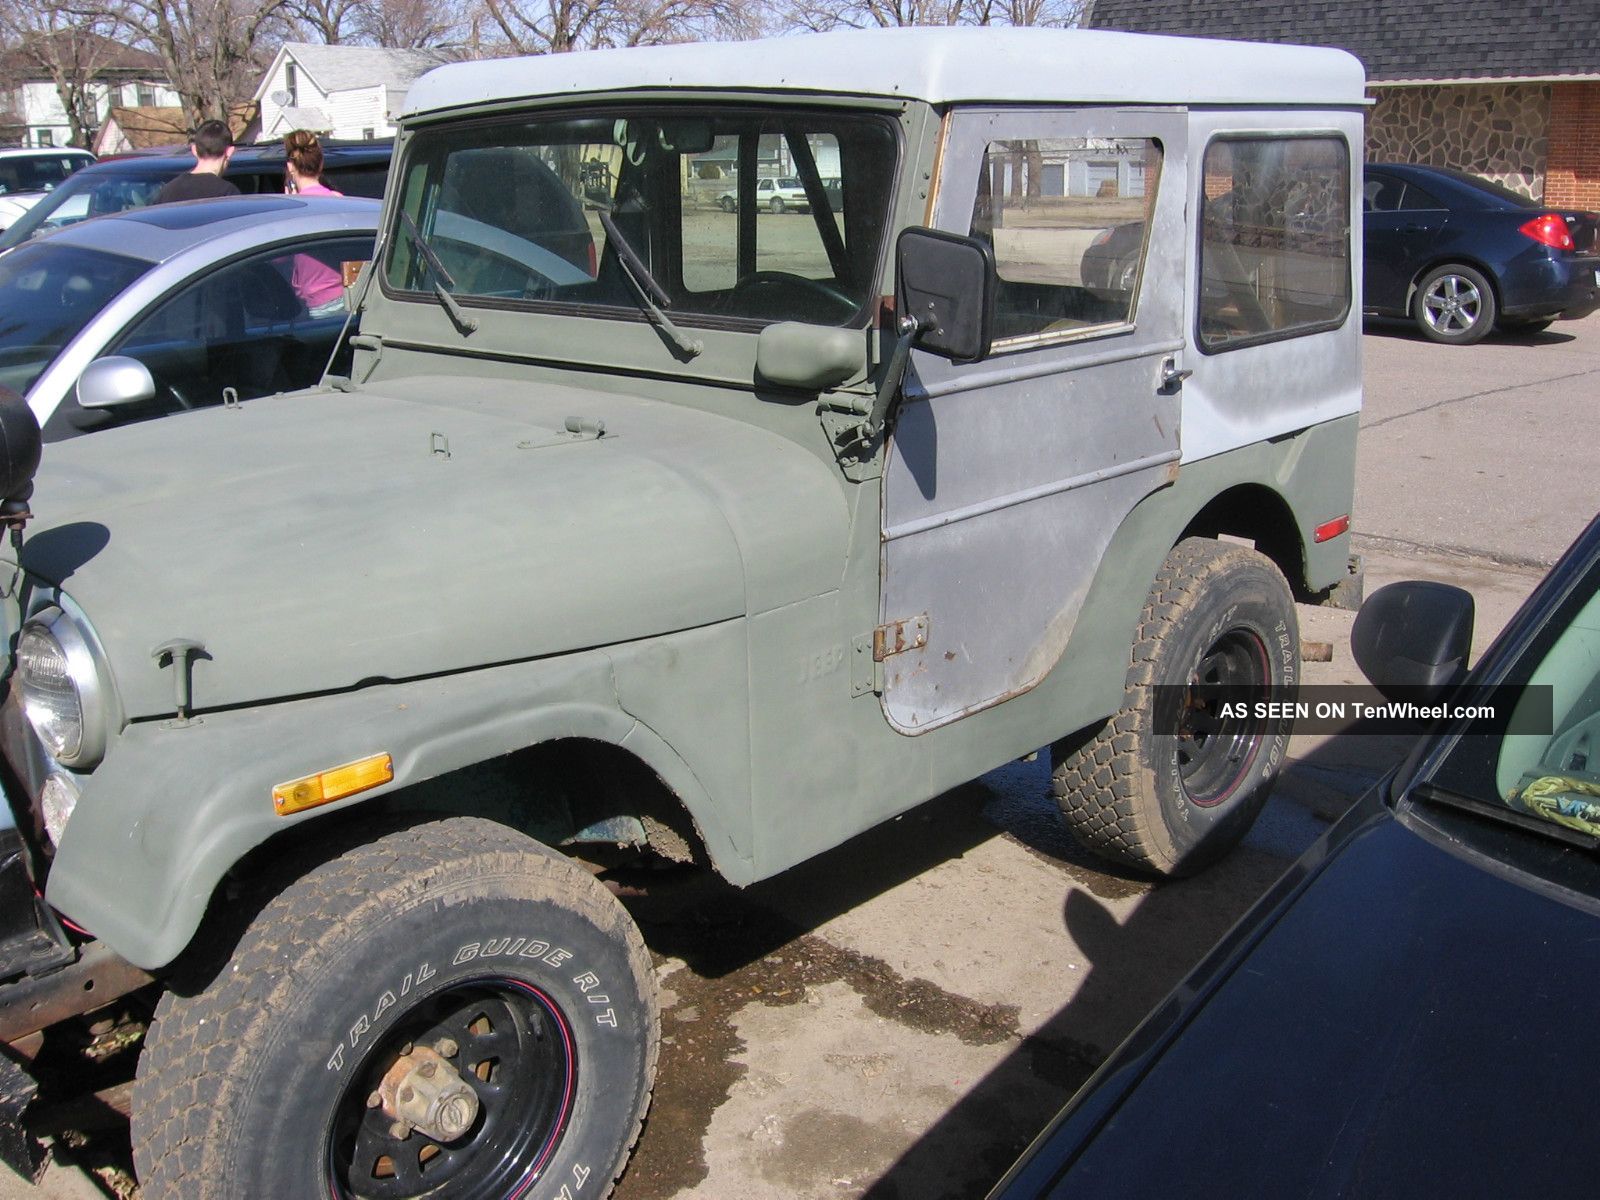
784,286
178,397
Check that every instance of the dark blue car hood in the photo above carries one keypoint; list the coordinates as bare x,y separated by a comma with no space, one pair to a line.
1418,1023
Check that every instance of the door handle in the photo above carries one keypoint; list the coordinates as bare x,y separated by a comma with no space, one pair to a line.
1172,375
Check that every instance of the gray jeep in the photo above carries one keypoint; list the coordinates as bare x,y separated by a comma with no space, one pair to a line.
676,532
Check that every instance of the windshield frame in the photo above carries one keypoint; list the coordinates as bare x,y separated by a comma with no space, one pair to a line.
420,139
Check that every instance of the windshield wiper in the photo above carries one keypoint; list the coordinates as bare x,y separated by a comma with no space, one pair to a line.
644,284
442,279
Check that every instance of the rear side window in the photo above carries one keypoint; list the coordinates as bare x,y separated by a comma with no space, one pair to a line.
1068,219
1275,239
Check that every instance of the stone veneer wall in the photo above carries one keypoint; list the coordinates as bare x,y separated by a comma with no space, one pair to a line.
1572,179
1497,131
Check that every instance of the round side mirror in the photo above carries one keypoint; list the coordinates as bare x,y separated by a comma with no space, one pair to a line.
19,446
114,381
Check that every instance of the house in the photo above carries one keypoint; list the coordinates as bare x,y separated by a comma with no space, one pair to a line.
34,113
1507,89
342,91
135,127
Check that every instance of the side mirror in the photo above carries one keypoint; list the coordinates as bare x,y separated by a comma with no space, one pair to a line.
792,354
115,381
946,283
20,446
1412,639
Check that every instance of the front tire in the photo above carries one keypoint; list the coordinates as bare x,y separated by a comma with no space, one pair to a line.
1454,305
776,205
1171,782
457,953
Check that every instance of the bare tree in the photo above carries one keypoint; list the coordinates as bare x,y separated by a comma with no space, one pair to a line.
47,40
556,26
820,15
213,51
414,24
328,21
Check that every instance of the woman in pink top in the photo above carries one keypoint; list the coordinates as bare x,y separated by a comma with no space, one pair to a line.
316,283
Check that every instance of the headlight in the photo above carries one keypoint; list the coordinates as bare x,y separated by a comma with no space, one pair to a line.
61,690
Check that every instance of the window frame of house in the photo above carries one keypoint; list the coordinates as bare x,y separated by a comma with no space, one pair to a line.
291,83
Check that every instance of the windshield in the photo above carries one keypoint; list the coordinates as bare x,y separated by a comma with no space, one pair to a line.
86,194
512,211
1554,774
48,293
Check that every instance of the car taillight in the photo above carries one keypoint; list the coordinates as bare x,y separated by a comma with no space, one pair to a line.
1549,229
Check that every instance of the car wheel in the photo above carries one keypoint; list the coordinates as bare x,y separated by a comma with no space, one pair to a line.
1454,305
449,1010
777,204
1526,325
1124,274
1173,780
727,203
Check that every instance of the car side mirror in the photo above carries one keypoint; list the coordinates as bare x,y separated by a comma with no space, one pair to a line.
1412,639
793,354
114,381
945,283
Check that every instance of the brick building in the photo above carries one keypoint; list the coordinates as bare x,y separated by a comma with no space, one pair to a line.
1508,89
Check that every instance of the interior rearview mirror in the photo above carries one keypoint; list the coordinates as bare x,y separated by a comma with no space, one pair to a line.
1412,639
114,381
945,283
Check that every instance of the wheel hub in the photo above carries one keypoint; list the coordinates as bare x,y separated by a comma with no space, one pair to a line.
424,1092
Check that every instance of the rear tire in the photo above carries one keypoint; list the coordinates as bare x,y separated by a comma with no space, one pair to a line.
777,205
458,935
1454,305
1165,784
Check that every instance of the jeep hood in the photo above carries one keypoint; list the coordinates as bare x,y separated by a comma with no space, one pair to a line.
318,541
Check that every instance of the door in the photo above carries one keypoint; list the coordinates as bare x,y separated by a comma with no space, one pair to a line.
1006,479
1402,226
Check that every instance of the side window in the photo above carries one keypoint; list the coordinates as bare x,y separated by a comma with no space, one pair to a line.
1416,198
262,324
1381,193
1069,221
1275,239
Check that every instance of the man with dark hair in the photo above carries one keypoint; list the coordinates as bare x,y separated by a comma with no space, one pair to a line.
212,147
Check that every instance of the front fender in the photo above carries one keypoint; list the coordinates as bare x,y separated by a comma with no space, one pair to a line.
174,806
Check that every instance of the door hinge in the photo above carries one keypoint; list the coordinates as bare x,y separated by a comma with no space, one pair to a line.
909,633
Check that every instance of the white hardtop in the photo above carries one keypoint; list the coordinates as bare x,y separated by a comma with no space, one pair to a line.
940,66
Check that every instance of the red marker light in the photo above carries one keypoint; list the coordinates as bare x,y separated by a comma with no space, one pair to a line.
1329,530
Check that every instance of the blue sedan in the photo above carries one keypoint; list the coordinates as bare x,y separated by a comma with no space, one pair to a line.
1461,256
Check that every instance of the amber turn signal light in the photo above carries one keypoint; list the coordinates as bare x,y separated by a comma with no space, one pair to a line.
327,786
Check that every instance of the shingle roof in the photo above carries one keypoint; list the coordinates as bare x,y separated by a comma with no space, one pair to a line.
26,60
1398,40
339,68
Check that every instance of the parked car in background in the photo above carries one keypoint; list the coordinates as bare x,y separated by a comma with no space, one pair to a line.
774,195
1461,256
354,168
1395,1017
28,175
157,310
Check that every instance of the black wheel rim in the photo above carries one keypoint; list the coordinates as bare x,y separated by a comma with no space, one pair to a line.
514,1048
1218,737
